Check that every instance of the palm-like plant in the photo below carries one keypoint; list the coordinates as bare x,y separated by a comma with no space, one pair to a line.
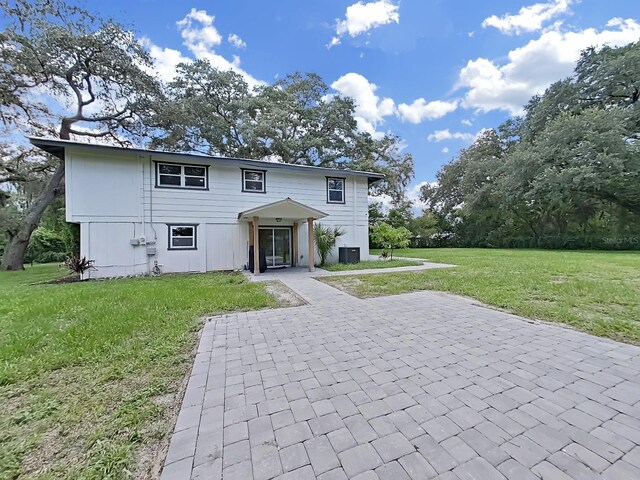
326,238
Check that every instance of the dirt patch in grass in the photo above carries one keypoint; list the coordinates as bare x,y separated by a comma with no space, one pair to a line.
61,281
286,297
348,284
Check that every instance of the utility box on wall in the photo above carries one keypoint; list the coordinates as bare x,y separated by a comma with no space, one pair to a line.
349,254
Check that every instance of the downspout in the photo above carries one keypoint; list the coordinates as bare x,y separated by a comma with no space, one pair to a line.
155,233
355,209
144,225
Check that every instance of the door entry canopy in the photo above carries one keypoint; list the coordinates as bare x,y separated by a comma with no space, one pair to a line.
288,209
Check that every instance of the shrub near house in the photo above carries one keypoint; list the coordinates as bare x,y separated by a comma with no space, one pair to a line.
390,238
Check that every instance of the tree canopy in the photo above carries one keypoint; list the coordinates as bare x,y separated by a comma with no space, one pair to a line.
566,174
294,120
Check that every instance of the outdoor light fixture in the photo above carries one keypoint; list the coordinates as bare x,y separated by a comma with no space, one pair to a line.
278,220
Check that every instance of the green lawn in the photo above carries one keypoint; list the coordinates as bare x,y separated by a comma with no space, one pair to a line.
598,292
341,267
89,371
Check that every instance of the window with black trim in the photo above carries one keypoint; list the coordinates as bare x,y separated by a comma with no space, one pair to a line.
174,175
254,181
183,237
335,190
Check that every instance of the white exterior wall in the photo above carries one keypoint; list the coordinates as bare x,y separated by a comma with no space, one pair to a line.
114,198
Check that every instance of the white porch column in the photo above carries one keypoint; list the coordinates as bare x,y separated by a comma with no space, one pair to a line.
312,246
256,246
295,255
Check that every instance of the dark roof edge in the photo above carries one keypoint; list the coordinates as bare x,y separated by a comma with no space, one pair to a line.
57,148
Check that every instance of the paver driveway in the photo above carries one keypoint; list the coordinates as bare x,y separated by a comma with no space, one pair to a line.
422,385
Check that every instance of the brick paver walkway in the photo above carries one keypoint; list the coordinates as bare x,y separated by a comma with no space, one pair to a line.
422,385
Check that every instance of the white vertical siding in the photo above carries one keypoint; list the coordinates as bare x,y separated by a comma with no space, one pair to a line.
227,246
103,187
114,198
108,245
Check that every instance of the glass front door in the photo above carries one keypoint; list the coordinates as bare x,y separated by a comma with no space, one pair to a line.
276,244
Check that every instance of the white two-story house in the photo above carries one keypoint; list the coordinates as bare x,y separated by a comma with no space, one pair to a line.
143,211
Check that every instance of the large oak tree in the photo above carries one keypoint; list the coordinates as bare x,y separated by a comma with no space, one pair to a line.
294,120
69,74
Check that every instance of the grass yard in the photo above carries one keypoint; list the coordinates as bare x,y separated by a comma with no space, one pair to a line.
597,292
341,267
89,371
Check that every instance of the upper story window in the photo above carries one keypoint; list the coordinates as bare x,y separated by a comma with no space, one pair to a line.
183,237
254,181
175,175
335,190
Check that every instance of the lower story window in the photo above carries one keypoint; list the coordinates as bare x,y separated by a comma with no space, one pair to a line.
183,237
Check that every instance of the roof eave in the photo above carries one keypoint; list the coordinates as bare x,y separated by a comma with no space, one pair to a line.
57,148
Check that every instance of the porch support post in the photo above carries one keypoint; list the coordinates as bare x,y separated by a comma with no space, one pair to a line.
312,246
295,255
256,247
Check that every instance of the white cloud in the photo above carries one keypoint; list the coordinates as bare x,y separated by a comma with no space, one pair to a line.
442,135
419,110
198,32
528,19
413,194
165,59
385,201
370,109
531,68
201,37
236,41
362,17
445,150
467,122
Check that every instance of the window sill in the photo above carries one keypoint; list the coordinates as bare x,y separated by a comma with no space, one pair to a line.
167,187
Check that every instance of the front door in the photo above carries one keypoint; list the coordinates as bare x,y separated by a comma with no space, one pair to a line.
276,243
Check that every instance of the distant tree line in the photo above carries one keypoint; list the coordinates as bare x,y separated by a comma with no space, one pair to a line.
564,175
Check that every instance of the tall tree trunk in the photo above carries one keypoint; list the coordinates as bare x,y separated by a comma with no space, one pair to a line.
13,258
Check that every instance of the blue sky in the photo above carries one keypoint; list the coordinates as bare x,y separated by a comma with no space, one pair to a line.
435,72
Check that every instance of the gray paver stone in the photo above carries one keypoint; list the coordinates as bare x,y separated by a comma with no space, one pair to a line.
265,461
550,471
321,454
393,447
438,457
417,466
478,469
293,457
392,471
360,429
177,470
341,440
335,474
359,459
441,428
515,471
325,424
368,475
296,433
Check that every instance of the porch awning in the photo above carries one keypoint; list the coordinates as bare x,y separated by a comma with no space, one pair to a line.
288,209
